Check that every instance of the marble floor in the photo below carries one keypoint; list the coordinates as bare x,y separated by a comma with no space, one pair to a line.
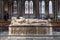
5,36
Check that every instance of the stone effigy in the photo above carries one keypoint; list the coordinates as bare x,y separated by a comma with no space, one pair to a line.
29,26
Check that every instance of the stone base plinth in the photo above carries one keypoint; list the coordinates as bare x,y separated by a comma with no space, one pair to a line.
29,30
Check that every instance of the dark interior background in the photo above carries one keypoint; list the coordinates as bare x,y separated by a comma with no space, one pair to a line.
7,5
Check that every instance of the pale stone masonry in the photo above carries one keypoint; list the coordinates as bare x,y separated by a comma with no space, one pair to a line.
26,28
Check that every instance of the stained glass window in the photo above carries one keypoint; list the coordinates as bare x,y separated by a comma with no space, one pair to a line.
15,7
31,7
26,7
43,7
50,7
